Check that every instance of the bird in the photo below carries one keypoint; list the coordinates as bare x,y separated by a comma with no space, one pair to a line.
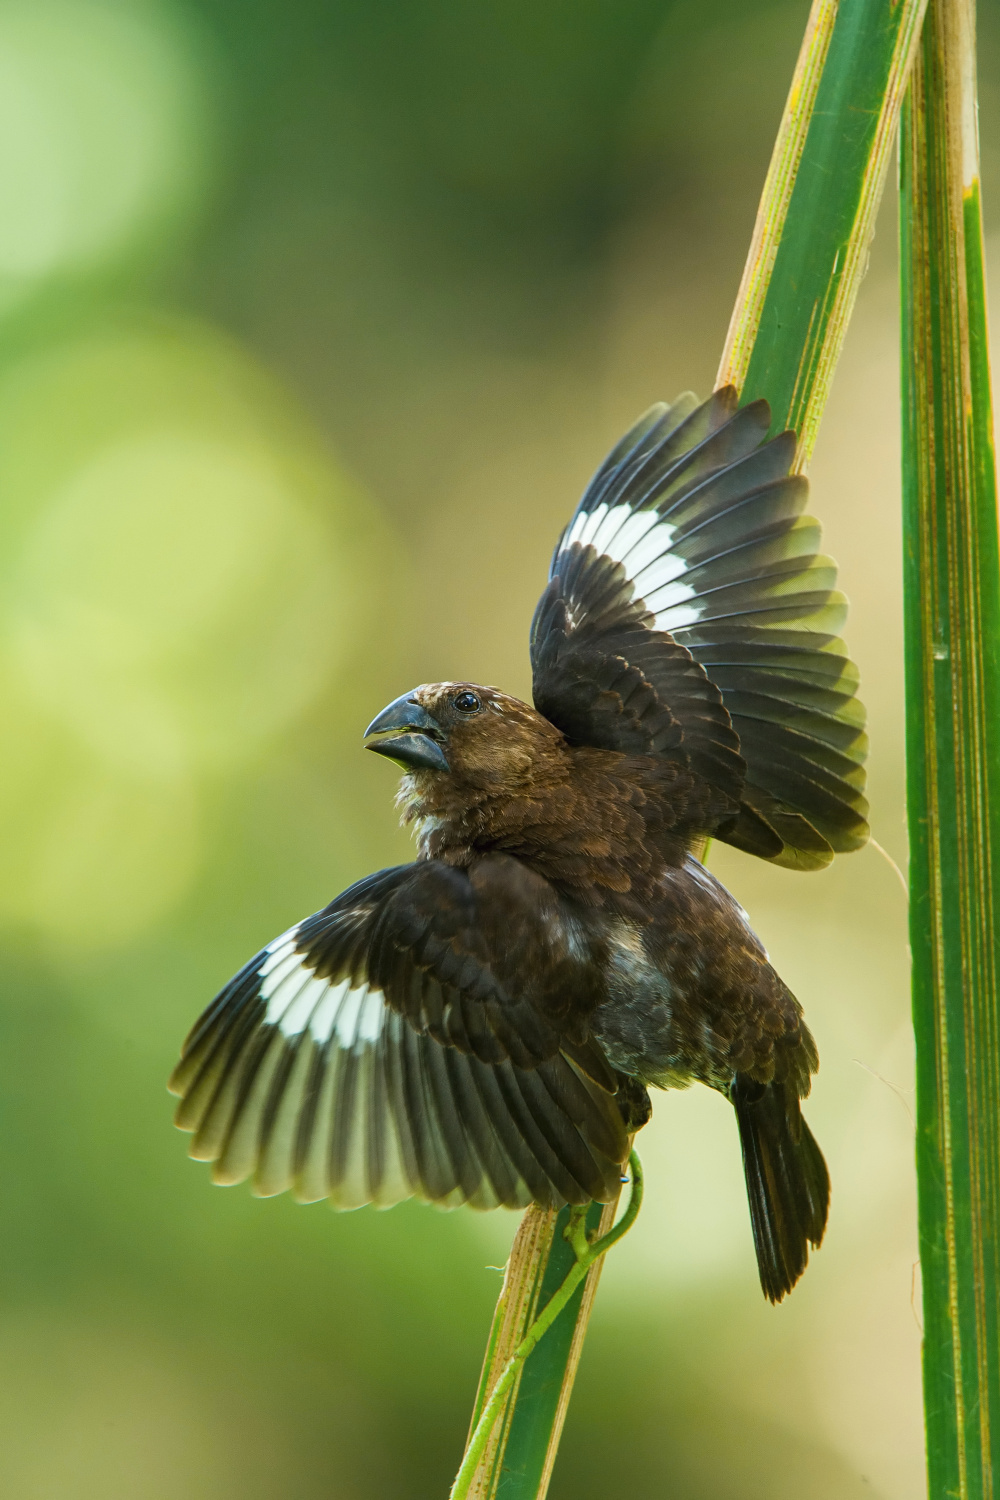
483,1025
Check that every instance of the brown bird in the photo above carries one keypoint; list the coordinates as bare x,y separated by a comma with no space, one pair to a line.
481,1026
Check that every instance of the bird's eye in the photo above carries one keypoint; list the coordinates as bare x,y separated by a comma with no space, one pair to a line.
467,703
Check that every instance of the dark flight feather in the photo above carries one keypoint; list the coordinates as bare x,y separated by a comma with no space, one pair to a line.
689,569
326,1067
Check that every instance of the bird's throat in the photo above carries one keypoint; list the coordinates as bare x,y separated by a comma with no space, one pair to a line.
587,833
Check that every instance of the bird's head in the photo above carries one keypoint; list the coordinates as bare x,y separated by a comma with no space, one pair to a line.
464,735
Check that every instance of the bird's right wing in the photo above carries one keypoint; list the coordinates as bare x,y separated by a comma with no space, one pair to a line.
425,1035
690,614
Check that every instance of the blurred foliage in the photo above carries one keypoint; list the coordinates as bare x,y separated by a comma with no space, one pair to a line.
313,320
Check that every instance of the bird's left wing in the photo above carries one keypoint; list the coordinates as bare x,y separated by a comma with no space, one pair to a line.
425,1035
690,614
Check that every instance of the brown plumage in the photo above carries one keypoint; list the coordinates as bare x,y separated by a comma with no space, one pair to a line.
481,1026
598,823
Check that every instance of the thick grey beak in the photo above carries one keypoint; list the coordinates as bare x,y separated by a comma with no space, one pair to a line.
418,746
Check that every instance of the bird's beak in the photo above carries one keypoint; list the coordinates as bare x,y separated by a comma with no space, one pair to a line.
418,746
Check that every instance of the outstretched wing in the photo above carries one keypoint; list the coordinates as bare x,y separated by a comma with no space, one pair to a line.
690,613
425,1035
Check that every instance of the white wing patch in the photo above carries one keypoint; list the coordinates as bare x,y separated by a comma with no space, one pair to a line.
674,619
299,1000
618,531
693,526
641,541
302,1082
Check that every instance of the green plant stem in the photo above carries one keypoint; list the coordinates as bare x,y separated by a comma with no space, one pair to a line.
817,213
585,1252
805,264
952,616
521,1450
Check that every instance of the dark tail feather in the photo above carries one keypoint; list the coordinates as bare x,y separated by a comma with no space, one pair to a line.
787,1182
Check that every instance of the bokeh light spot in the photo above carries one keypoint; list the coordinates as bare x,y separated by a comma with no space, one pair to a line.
102,134
185,569
175,603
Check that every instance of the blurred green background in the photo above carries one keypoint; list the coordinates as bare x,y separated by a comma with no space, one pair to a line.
314,319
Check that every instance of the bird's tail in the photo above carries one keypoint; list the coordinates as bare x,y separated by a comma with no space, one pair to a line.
787,1182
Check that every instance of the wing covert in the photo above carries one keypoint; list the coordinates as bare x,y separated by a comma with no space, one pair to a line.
390,1047
689,612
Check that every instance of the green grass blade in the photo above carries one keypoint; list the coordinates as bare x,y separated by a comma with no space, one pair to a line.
817,213
588,1237
952,606
536,1425
519,1458
808,254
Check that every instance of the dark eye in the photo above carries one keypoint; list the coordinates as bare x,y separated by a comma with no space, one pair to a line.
467,703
